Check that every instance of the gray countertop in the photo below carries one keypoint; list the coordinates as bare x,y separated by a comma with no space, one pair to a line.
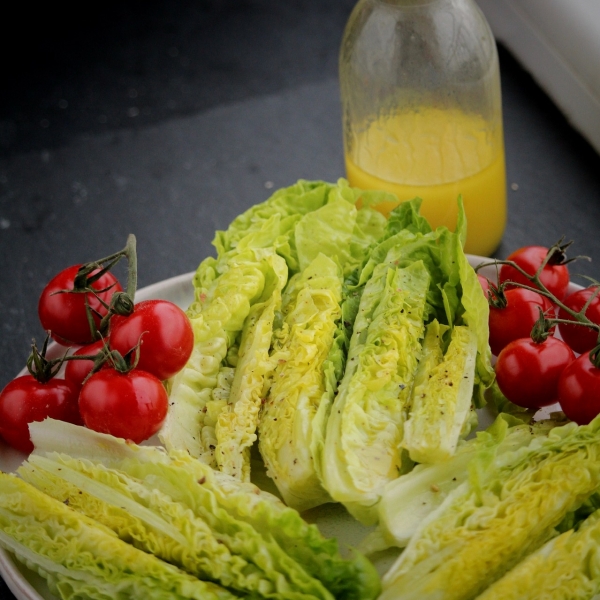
166,122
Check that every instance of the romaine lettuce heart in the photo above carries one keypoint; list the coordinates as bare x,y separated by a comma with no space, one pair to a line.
365,428
301,346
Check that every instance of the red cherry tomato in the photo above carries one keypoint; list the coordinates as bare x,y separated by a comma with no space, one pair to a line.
77,370
129,405
517,318
25,400
64,313
579,337
528,372
164,332
579,390
529,258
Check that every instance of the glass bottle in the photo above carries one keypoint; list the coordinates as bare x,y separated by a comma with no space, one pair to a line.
422,112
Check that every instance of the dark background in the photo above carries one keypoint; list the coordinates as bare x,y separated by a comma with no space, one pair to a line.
166,119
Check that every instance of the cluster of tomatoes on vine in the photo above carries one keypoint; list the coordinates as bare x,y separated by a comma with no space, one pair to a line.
531,303
117,356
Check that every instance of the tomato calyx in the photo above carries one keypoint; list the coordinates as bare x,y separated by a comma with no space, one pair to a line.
594,356
496,296
41,368
557,254
124,363
542,328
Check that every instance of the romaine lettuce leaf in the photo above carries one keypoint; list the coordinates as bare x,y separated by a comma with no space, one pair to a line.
292,201
567,566
284,224
311,310
408,500
328,231
333,369
153,522
250,279
441,396
406,216
365,427
257,525
237,421
454,297
80,558
511,504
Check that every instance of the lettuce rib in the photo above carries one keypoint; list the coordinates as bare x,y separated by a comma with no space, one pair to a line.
237,422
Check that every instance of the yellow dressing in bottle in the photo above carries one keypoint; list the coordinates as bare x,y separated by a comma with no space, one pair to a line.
437,154
422,111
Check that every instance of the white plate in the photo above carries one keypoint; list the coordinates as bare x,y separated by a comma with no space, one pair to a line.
332,519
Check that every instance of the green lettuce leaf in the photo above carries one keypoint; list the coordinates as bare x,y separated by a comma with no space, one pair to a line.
293,201
511,504
454,299
244,289
215,399
567,566
327,231
254,524
453,296
364,430
284,224
238,418
441,396
406,216
408,500
311,309
333,369
80,558
155,523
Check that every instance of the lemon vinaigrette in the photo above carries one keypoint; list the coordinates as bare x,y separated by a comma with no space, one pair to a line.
422,111
436,155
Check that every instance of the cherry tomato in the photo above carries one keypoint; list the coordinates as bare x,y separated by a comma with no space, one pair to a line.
528,372
579,337
77,370
517,318
129,405
529,258
164,332
64,313
579,390
25,400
